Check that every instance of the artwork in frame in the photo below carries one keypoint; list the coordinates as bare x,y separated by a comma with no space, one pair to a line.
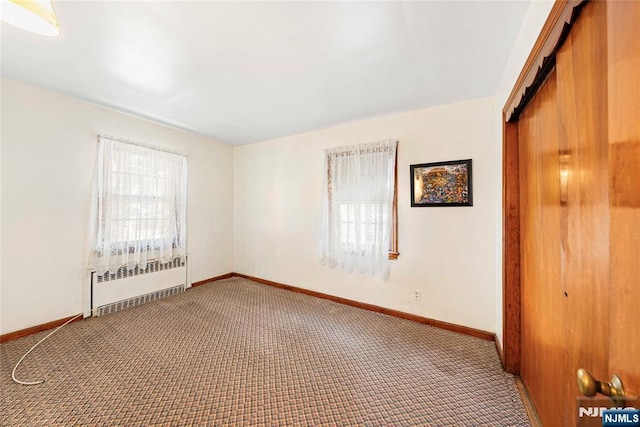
442,184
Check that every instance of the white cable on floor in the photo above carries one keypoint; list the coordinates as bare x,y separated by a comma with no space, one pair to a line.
13,374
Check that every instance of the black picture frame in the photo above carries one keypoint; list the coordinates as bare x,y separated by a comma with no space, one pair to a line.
442,184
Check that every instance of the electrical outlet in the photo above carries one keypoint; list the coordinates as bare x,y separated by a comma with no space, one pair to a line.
417,294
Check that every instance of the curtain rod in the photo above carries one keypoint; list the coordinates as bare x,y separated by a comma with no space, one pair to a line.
140,144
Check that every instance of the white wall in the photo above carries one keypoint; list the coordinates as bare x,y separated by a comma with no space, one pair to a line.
276,198
448,253
48,154
531,26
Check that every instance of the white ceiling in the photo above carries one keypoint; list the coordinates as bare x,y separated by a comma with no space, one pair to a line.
241,72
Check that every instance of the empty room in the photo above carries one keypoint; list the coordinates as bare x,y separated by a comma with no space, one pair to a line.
319,213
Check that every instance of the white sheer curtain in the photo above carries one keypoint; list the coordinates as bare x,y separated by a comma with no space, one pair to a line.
139,206
357,214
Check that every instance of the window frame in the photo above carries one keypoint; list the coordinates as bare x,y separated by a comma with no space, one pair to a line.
393,250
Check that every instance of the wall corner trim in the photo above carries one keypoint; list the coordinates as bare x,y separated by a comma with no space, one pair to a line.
499,349
212,279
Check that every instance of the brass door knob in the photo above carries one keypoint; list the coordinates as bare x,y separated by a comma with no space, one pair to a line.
589,386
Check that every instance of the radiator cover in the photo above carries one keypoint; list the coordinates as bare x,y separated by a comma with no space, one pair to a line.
139,300
124,289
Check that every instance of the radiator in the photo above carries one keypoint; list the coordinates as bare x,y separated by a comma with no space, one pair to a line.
124,289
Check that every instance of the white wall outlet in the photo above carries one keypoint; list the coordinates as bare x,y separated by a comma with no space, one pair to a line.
417,295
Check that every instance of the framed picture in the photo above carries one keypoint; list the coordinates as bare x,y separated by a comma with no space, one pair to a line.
442,184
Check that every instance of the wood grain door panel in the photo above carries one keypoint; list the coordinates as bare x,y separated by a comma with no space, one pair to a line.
578,150
623,21
579,170
581,67
543,335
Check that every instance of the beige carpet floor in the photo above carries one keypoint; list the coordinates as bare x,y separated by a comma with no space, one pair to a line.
238,353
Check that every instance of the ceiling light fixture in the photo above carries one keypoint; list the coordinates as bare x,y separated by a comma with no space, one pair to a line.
36,16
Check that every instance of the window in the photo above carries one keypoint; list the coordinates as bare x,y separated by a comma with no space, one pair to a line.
359,220
139,206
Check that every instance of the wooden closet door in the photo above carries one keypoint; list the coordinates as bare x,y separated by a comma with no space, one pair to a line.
579,159
565,223
581,67
543,318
